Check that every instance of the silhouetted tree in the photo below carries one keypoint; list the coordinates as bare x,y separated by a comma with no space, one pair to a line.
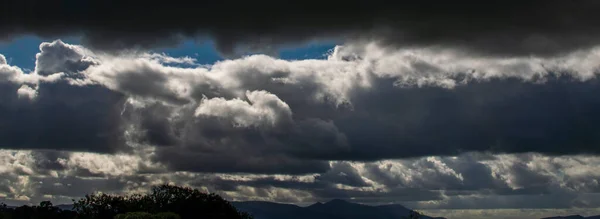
99,206
3,211
45,210
183,201
163,202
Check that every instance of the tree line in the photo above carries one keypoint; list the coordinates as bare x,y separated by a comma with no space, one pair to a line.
162,202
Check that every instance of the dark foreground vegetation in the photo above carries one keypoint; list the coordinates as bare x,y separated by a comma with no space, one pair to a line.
163,202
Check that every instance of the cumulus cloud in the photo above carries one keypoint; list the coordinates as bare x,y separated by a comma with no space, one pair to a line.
61,116
263,109
58,57
498,28
27,92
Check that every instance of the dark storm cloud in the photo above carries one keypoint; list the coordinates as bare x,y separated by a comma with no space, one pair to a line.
237,162
155,125
64,119
343,173
498,27
48,160
209,144
74,186
500,115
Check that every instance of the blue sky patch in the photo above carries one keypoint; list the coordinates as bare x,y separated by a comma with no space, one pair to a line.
21,52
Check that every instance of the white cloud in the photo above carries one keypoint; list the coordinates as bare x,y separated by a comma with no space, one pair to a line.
104,165
262,109
57,56
2,60
147,78
165,59
27,92
14,76
438,66
16,161
332,79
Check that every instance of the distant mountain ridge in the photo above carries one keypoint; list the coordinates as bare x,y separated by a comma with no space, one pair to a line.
334,209
270,210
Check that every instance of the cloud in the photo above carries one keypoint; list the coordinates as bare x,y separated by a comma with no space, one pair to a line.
499,28
27,92
41,110
58,57
428,128
163,58
362,103
264,109
424,183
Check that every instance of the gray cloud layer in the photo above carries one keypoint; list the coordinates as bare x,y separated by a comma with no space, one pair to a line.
430,128
538,27
263,115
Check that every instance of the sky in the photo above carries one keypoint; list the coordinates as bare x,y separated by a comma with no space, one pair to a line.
459,109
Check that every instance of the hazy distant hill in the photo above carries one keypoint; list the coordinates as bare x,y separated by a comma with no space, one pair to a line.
335,209
566,217
573,217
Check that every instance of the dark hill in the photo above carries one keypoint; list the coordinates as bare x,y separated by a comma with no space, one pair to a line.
334,209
